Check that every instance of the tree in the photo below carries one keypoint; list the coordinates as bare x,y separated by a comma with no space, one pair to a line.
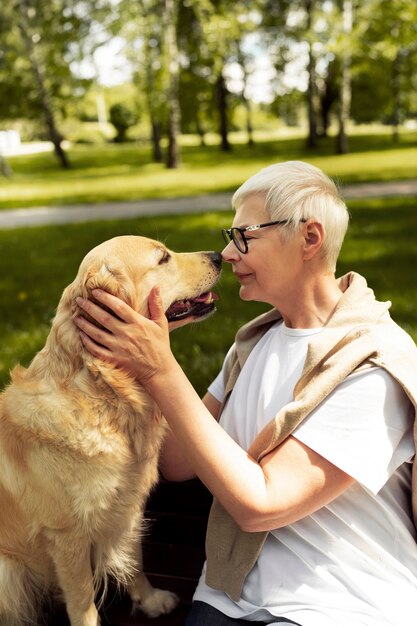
387,35
151,73
215,28
224,25
151,29
345,94
169,20
29,30
243,60
288,23
5,169
196,77
312,88
40,41
245,17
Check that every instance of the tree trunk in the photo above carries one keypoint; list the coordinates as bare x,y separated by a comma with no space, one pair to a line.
222,102
101,109
327,99
154,116
156,141
311,90
174,111
5,168
246,102
396,96
345,94
249,125
200,130
40,80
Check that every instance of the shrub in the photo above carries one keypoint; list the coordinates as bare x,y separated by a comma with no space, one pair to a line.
122,119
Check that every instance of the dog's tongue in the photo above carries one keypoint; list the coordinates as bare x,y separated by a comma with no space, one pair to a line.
207,298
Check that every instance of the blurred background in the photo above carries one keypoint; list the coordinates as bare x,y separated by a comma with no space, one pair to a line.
113,100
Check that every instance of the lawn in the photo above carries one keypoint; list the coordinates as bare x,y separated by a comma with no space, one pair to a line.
111,172
37,263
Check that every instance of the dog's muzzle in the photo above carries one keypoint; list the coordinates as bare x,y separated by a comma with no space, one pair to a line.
201,306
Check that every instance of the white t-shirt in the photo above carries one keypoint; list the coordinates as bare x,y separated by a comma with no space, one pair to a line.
355,560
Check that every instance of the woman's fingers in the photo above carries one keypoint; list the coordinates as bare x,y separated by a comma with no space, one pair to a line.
105,319
98,335
121,309
156,308
98,351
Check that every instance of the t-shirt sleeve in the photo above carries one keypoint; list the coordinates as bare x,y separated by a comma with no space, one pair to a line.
364,427
217,387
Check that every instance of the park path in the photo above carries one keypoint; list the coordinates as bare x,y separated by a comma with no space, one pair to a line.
37,216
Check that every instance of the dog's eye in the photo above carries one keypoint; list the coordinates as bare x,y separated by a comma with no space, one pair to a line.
165,258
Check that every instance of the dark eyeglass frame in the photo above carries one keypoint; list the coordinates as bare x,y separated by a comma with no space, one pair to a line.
228,233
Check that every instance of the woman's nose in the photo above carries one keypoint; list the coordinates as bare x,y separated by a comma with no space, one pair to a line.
230,253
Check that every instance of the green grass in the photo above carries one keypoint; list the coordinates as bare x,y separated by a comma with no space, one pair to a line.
38,263
124,172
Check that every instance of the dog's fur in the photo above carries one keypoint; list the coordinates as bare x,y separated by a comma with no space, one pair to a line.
79,443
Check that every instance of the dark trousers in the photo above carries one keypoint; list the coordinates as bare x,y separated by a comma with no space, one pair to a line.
203,614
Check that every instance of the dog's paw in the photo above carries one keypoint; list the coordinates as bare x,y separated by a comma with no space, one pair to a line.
159,602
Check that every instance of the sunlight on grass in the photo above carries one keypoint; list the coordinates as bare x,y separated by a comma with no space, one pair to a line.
124,172
370,166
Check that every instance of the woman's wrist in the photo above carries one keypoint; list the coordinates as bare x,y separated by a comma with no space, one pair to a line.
157,381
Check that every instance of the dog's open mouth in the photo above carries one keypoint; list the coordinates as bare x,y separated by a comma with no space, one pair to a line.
192,307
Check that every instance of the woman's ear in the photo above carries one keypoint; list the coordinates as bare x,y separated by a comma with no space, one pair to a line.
314,235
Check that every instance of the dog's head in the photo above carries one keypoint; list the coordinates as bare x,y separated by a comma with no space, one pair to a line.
130,266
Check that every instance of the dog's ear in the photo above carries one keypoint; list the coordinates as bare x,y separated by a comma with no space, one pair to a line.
106,277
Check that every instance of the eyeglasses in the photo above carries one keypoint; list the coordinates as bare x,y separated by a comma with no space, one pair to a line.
237,235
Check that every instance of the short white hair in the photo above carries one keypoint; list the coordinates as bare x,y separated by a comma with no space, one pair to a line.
296,191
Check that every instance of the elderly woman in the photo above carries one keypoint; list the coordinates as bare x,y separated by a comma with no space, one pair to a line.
310,451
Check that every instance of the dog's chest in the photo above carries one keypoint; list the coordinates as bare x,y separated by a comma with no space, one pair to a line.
120,481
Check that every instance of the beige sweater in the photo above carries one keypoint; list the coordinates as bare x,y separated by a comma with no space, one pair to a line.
360,334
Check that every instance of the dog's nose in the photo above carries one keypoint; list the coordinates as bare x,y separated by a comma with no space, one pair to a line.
216,259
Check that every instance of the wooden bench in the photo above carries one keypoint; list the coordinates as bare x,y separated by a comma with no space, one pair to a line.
173,554
173,550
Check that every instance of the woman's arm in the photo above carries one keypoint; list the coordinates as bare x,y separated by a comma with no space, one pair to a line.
173,463
288,484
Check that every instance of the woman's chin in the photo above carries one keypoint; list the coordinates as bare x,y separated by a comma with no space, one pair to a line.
244,293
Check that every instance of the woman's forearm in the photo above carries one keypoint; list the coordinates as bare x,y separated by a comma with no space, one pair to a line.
231,475
173,464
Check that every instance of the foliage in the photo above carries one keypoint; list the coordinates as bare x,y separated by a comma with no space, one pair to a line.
385,59
217,44
55,28
38,263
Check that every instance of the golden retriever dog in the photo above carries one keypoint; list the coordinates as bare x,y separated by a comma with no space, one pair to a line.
79,444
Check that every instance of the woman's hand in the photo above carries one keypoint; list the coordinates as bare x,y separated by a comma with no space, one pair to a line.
130,341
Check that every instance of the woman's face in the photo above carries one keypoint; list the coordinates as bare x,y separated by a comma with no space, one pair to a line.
268,272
